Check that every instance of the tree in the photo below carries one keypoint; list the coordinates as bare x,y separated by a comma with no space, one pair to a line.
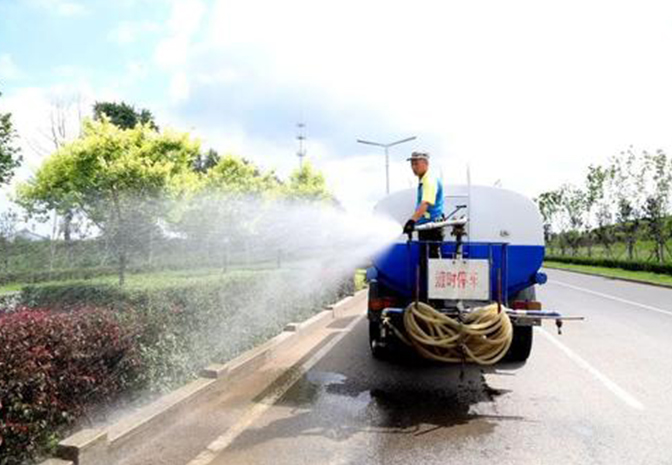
308,184
596,179
118,178
234,176
226,212
600,186
572,208
62,129
10,157
8,222
123,115
657,184
549,207
206,161
628,187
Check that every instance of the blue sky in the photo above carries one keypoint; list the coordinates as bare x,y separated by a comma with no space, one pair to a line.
523,91
49,42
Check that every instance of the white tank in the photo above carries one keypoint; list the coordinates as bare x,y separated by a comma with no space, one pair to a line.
495,214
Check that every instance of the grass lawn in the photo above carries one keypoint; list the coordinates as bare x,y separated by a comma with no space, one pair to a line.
10,288
166,278
643,276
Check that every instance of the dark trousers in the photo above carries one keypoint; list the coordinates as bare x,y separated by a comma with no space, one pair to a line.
430,242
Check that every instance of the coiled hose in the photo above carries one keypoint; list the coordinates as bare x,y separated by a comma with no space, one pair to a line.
482,335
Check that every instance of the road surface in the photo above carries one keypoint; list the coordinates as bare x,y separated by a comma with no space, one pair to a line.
599,394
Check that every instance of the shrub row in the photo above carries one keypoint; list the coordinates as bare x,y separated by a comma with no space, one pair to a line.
661,268
70,348
53,368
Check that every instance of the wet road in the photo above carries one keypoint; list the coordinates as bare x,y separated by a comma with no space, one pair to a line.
600,393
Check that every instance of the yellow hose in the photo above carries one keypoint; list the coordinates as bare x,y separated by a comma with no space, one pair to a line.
483,336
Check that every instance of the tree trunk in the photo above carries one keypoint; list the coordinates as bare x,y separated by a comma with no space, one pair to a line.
120,240
67,226
122,266
52,242
150,247
5,253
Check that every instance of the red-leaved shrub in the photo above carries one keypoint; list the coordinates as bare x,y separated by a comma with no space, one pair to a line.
53,368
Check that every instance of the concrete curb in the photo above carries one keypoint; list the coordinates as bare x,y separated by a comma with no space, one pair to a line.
85,446
96,446
615,278
144,419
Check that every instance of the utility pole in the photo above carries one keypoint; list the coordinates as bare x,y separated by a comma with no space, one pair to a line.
301,137
387,156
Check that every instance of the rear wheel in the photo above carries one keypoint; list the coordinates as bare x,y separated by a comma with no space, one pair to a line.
521,345
378,349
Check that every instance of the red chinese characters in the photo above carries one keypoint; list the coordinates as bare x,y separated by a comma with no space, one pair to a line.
455,280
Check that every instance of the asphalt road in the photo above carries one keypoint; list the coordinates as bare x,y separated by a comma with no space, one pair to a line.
600,393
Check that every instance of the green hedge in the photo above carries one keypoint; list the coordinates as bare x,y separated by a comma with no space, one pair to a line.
69,274
190,321
172,325
661,268
56,368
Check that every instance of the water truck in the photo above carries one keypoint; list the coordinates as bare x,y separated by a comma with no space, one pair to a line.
473,299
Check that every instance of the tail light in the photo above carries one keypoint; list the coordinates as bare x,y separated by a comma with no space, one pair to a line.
381,303
526,305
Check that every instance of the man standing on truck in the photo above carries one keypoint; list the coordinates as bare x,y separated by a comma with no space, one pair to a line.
428,208
429,201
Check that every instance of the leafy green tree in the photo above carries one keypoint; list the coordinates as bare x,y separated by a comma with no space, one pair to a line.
596,179
238,176
118,178
549,207
572,210
658,174
123,115
307,184
599,193
8,223
225,215
206,161
628,188
10,157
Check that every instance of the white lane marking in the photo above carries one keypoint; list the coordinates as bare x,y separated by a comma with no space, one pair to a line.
611,297
256,411
615,389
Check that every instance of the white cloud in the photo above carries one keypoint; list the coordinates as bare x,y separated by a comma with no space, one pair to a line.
179,87
8,68
185,20
129,32
523,91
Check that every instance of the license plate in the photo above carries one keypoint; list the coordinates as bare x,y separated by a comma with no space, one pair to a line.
458,279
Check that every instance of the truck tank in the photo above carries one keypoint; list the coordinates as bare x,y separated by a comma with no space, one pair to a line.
498,219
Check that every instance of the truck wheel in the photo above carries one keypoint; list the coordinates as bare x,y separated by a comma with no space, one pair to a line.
521,346
378,350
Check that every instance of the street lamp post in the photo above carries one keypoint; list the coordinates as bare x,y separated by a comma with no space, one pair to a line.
387,155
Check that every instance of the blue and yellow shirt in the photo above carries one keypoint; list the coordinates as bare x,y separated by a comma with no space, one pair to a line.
430,190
